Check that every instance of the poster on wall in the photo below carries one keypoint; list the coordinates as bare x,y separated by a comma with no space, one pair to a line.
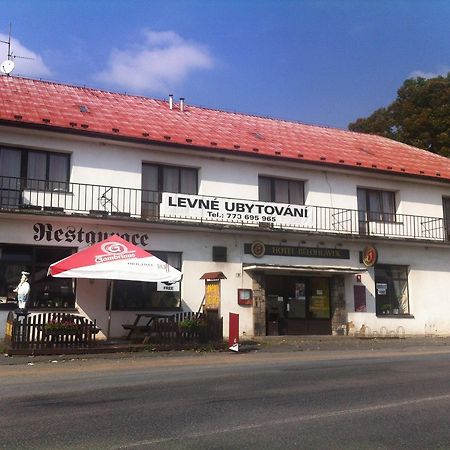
300,289
212,294
319,305
381,288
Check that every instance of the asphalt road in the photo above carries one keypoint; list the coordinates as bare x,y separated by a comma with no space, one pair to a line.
292,400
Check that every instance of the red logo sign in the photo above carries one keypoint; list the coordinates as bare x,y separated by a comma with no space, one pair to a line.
258,249
370,256
114,251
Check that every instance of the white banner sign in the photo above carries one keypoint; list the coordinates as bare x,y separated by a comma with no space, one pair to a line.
217,209
173,287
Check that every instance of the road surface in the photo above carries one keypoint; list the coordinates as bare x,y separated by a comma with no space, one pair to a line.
293,400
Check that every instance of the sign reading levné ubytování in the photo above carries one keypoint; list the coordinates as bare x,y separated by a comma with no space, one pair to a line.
218,209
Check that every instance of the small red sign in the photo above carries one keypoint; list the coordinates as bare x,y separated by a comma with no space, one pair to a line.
233,333
245,297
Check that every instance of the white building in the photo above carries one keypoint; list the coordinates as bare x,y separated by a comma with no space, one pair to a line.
317,230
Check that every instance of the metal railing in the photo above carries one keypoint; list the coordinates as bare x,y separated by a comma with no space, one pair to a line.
18,194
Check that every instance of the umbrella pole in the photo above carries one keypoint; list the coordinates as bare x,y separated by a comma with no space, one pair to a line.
110,308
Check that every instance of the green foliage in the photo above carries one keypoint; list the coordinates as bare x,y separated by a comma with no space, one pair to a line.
419,116
191,325
63,326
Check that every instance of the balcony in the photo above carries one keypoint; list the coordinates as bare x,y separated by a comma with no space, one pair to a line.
62,198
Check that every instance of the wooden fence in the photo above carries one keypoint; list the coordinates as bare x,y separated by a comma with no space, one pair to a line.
52,333
49,331
186,327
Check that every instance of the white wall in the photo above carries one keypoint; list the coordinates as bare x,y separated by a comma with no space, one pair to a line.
96,161
429,294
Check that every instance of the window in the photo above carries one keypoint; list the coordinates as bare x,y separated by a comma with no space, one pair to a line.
278,190
39,169
142,296
159,178
219,254
391,290
446,206
376,206
46,291
10,162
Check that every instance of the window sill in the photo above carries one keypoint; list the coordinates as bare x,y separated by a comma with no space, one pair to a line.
47,191
147,309
390,222
8,306
395,316
13,306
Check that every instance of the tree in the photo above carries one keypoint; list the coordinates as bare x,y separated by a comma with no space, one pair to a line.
419,116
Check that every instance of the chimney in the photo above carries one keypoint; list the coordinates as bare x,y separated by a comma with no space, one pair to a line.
181,103
170,101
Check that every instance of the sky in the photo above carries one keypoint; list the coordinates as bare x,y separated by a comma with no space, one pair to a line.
320,62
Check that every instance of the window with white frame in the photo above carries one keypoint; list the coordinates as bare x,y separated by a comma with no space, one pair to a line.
46,291
391,290
145,296
279,190
376,205
41,170
157,178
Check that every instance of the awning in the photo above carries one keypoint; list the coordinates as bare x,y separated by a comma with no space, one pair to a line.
213,276
273,268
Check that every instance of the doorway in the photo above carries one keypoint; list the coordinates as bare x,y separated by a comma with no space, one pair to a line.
297,305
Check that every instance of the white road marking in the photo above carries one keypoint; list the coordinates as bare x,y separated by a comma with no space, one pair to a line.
288,421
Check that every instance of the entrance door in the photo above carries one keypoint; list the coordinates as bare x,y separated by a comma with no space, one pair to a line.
298,305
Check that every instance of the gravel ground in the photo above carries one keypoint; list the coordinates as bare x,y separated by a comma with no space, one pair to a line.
342,343
266,344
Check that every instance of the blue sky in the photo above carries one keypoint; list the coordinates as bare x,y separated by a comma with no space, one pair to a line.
324,62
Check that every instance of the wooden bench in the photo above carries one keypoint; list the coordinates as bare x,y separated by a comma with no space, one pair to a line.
136,329
151,320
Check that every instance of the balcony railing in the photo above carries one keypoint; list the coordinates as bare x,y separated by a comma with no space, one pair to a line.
18,194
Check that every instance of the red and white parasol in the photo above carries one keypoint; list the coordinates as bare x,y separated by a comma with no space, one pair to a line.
115,259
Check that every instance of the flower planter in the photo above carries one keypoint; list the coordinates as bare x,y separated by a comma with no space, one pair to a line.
72,332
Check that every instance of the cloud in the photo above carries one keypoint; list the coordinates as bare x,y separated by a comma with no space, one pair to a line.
442,71
34,66
160,62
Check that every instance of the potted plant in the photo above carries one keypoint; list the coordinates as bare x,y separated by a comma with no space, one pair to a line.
59,328
386,308
195,328
190,325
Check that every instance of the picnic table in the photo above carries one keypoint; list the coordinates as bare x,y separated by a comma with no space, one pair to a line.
146,326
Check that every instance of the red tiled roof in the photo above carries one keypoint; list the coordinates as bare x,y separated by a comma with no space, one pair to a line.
57,106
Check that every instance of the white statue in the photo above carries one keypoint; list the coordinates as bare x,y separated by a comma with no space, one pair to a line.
23,290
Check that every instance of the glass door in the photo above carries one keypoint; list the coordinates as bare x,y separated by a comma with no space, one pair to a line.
297,305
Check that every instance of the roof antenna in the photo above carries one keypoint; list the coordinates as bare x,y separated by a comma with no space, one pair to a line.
8,65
